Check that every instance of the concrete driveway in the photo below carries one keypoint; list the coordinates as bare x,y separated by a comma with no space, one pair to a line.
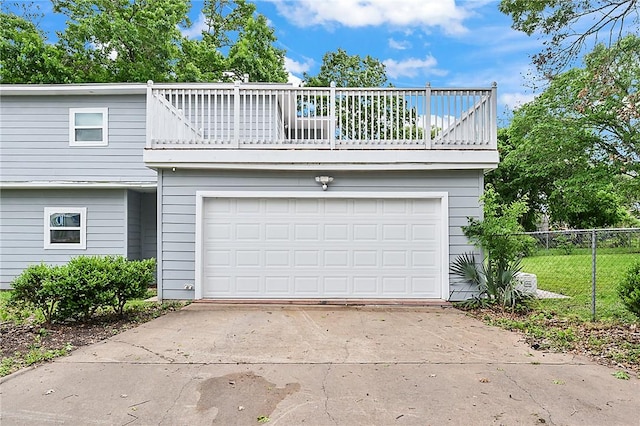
317,365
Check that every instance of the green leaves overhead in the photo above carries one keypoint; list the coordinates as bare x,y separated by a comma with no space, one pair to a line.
138,40
25,57
255,54
122,40
348,71
575,149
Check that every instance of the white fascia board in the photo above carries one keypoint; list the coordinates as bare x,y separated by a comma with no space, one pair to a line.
62,185
72,89
321,159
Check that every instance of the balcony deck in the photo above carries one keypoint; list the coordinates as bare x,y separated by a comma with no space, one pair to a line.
216,120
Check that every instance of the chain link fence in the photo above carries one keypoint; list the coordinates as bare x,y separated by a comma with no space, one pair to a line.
578,271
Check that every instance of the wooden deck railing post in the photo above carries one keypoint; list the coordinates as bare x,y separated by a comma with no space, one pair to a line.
427,118
236,115
150,116
332,115
493,120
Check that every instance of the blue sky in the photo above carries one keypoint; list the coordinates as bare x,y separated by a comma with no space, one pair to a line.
464,43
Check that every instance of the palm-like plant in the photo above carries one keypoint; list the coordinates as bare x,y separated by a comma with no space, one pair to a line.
496,281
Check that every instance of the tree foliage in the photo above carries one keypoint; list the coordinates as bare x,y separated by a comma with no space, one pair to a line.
348,71
567,26
365,116
139,40
25,56
255,54
122,41
575,149
498,232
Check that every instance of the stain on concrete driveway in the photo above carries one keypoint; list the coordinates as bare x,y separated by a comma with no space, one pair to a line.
241,398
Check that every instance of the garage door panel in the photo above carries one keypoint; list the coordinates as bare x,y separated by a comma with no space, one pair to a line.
321,248
336,259
365,232
334,232
277,231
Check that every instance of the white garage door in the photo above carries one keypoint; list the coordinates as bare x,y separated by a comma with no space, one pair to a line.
292,248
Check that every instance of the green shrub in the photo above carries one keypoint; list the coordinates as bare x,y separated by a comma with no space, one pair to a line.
629,289
82,286
85,287
36,286
129,279
499,235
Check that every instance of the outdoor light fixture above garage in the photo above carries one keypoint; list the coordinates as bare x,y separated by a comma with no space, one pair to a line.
324,181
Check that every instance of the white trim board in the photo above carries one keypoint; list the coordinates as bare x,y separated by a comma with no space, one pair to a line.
76,185
275,159
444,211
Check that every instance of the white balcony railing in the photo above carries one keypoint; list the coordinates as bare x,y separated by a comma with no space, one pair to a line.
263,116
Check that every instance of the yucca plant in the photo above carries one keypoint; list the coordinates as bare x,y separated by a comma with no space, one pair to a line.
496,281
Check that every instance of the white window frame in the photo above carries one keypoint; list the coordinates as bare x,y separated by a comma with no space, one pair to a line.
82,245
73,127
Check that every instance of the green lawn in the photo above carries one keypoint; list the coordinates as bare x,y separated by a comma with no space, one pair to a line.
571,274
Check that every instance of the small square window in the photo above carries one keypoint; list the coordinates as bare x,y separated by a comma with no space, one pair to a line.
88,126
65,228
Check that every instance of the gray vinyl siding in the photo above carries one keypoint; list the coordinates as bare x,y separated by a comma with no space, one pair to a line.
148,225
34,140
22,226
134,227
178,208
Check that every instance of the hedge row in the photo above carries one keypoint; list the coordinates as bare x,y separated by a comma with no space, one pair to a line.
82,286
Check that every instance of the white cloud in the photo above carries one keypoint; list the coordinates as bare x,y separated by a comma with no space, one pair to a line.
399,45
196,28
358,13
515,100
294,66
412,67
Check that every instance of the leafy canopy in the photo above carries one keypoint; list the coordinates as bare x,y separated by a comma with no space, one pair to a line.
139,40
574,151
348,71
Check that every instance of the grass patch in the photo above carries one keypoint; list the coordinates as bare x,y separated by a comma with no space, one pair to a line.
564,325
571,275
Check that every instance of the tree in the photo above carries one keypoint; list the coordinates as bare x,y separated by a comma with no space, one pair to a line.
254,54
140,40
234,28
567,26
25,57
124,41
575,149
348,71
364,116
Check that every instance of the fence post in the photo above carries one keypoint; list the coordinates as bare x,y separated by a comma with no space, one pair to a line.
593,274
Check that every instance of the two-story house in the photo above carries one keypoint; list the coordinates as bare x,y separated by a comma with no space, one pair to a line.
248,191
